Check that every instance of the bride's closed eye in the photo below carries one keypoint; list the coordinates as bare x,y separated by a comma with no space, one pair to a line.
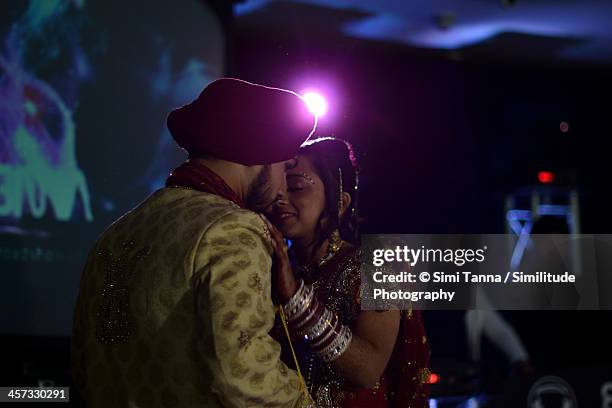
298,182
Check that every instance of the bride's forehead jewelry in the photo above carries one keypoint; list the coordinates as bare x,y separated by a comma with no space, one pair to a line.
307,177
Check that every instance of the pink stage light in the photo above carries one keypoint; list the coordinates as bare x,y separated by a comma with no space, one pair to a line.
316,103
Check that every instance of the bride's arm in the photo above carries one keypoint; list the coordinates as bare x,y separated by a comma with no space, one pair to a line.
374,335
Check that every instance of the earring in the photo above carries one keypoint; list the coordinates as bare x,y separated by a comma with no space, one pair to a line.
340,194
335,241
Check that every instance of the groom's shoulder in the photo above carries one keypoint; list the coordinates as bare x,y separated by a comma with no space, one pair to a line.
177,208
209,211
241,227
193,206
239,220
192,213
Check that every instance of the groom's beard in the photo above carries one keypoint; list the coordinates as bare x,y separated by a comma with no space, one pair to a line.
260,194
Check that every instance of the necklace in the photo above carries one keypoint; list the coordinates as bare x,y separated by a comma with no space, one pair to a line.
334,246
195,175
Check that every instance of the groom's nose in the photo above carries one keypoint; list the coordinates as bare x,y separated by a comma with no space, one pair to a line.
281,197
282,189
279,201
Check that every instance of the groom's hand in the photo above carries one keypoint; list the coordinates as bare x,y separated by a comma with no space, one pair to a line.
283,279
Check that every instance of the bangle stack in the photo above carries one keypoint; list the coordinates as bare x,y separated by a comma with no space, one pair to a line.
309,317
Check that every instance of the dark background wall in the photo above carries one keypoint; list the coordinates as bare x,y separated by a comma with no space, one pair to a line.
443,137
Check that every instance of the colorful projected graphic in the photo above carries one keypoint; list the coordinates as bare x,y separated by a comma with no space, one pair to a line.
39,174
177,86
84,91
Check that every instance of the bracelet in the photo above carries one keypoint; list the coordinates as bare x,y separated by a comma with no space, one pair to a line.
330,333
293,302
299,302
301,308
325,329
318,328
310,315
338,346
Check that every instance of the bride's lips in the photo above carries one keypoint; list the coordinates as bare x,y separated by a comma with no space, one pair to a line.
281,216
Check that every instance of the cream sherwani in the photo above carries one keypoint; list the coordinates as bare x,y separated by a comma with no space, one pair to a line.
175,307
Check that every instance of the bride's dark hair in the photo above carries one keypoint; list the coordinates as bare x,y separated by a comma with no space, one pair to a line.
332,157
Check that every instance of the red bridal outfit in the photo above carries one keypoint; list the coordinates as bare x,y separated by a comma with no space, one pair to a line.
404,383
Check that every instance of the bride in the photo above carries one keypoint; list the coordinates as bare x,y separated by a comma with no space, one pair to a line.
349,357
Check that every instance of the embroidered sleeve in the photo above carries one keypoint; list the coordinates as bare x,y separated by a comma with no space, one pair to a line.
236,312
352,273
364,286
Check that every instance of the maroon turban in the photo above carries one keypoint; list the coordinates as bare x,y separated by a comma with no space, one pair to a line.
242,122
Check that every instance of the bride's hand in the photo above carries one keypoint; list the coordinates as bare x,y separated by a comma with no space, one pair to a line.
282,274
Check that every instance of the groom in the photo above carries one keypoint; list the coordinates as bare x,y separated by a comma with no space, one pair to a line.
174,306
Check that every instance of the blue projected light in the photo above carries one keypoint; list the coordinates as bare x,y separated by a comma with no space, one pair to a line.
83,135
521,223
474,21
178,89
39,173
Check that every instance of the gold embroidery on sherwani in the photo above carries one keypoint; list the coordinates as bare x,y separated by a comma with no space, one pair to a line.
243,300
243,339
113,322
228,321
257,380
255,282
256,323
